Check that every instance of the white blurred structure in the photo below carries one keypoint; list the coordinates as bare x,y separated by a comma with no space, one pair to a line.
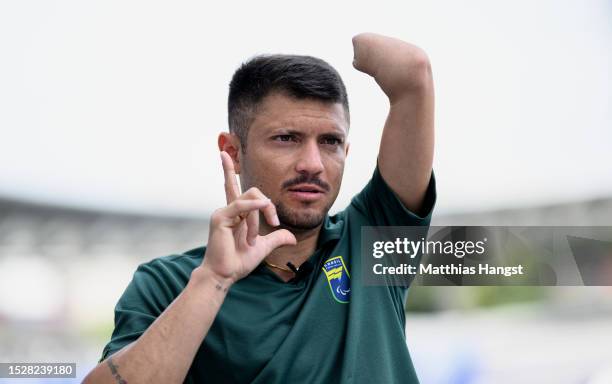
63,269
596,212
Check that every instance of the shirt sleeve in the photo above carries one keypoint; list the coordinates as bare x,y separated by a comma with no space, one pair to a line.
144,299
382,206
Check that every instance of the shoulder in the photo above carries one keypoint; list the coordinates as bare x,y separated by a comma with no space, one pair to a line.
177,260
379,205
172,270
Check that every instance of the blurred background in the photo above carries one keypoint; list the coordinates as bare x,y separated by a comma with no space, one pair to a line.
109,113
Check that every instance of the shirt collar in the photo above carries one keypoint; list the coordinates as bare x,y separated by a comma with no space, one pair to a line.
331,230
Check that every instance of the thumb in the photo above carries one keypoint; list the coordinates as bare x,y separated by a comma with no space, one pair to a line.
279,238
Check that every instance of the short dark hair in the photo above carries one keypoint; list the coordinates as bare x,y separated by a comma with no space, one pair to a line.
301,77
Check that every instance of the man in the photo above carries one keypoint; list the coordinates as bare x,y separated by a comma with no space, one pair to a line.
275,296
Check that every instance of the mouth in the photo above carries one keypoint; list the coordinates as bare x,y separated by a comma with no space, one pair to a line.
306,192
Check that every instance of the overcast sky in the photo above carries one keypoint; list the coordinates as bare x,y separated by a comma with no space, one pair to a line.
117,104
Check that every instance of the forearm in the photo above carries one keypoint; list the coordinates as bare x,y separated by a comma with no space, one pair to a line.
403,72
165,351
407,143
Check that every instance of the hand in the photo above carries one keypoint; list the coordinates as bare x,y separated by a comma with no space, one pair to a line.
235,247
398,67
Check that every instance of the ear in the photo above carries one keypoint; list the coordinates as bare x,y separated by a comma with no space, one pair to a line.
230,143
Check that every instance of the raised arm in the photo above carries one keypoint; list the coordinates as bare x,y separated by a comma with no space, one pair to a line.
165,351
403,72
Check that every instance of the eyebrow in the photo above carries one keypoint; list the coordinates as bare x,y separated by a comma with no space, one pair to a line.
288,131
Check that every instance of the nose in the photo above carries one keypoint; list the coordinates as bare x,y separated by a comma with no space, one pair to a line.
310,159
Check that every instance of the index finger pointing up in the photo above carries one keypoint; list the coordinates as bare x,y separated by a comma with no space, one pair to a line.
231,186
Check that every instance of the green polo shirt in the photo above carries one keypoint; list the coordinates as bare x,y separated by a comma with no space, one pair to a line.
323,326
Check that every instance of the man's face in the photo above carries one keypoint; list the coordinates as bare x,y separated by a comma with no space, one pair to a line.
295,155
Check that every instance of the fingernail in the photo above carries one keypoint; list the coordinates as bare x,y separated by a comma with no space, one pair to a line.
276,221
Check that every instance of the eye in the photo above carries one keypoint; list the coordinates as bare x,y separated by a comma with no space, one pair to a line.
330,140
284,138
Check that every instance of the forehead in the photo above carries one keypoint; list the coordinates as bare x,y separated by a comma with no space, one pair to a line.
278,111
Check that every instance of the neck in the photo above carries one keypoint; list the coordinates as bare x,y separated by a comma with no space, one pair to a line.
296,254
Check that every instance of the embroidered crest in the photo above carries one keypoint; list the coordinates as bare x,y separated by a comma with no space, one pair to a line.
338,278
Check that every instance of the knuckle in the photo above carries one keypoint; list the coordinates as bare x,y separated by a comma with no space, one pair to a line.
215,217
253,191
238,204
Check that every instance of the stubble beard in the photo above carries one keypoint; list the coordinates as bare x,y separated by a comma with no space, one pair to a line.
300,220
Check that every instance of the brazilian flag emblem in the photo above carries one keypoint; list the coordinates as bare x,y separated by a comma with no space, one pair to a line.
338,278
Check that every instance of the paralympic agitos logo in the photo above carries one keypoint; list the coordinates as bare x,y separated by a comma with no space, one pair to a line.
338,279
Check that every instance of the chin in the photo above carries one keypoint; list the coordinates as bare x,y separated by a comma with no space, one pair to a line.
300,218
